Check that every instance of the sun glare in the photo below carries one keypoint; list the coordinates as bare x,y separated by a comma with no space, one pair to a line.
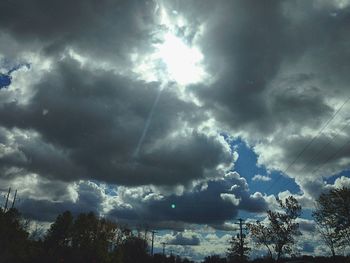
173,58
182,63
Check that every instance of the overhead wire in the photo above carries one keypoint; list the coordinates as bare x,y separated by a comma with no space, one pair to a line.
307,145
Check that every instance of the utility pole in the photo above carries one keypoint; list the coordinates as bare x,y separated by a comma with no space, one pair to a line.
7,199
153,232
163,243
241,238
14,200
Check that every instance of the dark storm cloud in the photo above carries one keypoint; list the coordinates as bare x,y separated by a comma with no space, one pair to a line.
279,67
89,198
102,28
43,200
88,124
255,40
206,205
244,44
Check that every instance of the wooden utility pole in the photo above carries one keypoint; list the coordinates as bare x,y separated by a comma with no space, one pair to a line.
241,238
163,243
153,232
14,200
241,252
7,199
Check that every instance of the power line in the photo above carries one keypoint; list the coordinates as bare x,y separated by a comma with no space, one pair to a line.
308,144
332,156
329,158
323,148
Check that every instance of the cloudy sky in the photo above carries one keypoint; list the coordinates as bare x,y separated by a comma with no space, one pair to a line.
176,115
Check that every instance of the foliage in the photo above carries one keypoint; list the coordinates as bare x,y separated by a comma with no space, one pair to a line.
133,249
234,251
87,238
214,259
60,231
14,243
278,235
332,216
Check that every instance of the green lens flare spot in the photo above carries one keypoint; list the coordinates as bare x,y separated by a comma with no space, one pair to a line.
173,206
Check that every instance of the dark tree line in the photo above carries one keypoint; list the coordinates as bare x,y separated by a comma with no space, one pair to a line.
88,238
85,238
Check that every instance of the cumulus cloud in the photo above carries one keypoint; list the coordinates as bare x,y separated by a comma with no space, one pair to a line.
259,177
70,124
276,86
93,122
212,204
181,239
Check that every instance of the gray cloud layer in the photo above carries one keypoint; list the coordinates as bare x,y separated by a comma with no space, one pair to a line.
278,71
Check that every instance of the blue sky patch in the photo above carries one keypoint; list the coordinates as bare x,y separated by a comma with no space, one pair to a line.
246,166
5,80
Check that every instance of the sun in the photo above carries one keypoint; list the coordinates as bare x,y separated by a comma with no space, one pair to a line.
174,58
181,63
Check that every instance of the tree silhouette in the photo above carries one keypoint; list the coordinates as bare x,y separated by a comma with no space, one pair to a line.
214,259
60,232
134,249
14,242
234,251
278,235
332,216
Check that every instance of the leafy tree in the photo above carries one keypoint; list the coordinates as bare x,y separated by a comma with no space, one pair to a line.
92,237
133,249
14,244
60,232
86,238
278,235
214,259
262,235
235,249
332,216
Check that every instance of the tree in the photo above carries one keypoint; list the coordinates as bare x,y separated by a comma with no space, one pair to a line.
86,238
14,244
278,235
60,232
133,249
92,237
332,216
214,259
262,235
236,250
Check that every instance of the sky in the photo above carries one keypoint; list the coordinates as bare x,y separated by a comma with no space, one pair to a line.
179,116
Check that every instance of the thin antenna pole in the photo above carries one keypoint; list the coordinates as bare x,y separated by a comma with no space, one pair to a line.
152,241
7,199
241,238
163,248
14,200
